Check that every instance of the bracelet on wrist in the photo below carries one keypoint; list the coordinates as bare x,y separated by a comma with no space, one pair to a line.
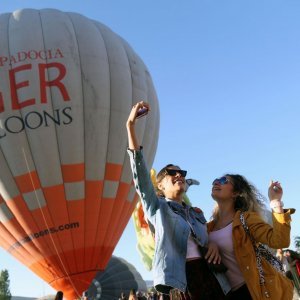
276,203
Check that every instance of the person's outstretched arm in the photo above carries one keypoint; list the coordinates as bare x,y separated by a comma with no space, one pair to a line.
278,235
130,124
141,175
275,194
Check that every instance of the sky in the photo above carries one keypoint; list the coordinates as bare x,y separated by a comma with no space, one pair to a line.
227,77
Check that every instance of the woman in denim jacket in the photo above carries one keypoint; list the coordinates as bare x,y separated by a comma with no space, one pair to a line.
179,229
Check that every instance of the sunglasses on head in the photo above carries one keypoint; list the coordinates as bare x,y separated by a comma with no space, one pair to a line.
173,172
222,180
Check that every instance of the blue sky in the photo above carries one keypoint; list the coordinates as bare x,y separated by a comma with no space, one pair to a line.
227,76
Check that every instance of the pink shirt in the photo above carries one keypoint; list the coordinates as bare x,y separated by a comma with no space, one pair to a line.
223,239
192,250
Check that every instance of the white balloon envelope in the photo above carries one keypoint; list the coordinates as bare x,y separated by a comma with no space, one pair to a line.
67,85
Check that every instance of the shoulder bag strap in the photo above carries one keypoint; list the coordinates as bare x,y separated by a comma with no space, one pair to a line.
257,254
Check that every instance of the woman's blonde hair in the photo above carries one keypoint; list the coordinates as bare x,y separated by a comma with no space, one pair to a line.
160,176
248,197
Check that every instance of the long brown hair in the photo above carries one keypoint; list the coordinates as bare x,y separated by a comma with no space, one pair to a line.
248,198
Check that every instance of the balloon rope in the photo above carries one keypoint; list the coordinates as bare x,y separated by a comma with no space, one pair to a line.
52,240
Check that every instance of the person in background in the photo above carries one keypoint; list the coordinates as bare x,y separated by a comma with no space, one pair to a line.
123,296
132,295
286,265
234,196
180,230
85,295
140,295
293,259
59,295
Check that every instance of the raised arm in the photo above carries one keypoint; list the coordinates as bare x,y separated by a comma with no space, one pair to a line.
130,124
141,175
278,235
275,194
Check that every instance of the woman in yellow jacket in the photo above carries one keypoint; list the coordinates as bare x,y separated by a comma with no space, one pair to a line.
233,195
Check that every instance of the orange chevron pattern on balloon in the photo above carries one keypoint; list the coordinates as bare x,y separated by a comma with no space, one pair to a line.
144,235
66,193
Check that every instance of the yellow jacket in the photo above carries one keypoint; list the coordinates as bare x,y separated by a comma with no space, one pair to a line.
278,286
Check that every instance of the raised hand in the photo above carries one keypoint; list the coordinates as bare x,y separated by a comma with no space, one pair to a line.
134,114
275,191
130,124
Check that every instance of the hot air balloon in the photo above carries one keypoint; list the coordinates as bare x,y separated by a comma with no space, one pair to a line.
67,85
119,276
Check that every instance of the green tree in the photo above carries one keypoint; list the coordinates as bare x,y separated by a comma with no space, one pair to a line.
297,243
4,286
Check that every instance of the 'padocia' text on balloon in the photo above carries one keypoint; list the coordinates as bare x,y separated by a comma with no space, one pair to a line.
22,56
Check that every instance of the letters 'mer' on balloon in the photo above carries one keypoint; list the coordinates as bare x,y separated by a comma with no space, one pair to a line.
67,85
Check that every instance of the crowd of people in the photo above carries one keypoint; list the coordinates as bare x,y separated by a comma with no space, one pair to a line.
289,258
291,264
138,295
221,259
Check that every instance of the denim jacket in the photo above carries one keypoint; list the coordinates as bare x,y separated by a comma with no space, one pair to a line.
172,223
